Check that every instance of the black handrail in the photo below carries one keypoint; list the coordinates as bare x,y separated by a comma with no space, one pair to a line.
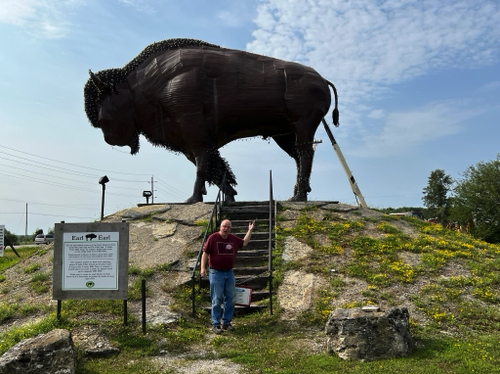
213,223
270,264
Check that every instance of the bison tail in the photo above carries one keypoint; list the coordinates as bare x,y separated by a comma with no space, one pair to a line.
335,113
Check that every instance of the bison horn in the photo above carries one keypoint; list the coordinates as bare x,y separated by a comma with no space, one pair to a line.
98,83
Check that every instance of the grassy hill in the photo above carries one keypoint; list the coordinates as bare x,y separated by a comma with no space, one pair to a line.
449,281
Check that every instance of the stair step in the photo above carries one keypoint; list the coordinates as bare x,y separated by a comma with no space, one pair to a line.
251,252
247,203
242,310
248,216
259,295
255,235
250,262
257,283
249,270
245,209
257,245
263,222
256,296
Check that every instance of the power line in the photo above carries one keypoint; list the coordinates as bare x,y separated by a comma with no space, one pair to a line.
54,205
67,163
173,191
58,215
40,165
59,184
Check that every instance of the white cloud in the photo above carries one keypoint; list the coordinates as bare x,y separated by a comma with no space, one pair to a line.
405,130
41,18
363,47
491,87
236,13
363,42
18,11
139,5
376,114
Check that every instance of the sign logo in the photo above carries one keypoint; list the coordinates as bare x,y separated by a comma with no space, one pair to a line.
90,284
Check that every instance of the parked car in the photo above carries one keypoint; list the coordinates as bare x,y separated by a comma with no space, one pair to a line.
44,238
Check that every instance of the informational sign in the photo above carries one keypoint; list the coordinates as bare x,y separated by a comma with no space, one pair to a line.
90,260
243,295
2,240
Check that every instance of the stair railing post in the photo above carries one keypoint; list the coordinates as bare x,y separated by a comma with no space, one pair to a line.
270,265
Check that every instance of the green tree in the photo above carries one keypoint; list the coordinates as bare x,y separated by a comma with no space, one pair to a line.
477,200
37,231
435,197
13,239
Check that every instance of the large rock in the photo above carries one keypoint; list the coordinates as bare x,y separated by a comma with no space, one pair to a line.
295,250
365,334
295,294
51,353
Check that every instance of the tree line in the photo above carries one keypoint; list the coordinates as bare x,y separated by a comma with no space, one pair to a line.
471,201
19,239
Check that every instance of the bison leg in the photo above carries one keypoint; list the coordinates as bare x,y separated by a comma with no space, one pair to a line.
210,167
303,155
229,192
199,188
302,186
304,130
288,144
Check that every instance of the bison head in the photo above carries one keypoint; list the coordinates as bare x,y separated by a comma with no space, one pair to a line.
110,107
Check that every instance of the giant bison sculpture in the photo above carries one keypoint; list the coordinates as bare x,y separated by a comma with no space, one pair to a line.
193,97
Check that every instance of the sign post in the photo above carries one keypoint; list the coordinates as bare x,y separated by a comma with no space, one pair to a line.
91,261
2,241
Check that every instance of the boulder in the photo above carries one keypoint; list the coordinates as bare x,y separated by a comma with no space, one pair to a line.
295,250
368,333
51,353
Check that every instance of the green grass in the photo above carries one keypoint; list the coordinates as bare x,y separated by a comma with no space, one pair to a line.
32,268
16,334
463,311
9,258
270,351
40,282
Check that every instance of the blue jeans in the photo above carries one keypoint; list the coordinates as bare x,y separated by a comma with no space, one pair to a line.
222,292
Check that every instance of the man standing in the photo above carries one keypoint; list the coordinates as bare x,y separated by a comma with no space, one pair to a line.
220,251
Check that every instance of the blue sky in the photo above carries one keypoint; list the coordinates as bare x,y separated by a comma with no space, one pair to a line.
418,84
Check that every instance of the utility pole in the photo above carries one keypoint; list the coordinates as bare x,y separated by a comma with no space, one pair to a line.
152,191
26,226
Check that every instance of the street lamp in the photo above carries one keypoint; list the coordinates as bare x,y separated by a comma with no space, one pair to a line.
102,182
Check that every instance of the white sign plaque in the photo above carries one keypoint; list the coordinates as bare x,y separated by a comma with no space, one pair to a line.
90,261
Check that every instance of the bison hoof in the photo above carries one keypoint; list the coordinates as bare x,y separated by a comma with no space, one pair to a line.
229,199
298,198
194,199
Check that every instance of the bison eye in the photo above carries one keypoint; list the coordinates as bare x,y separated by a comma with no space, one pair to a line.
104,115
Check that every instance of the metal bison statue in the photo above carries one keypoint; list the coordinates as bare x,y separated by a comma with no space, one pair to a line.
193,97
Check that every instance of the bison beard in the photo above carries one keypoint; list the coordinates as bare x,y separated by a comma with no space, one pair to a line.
193,97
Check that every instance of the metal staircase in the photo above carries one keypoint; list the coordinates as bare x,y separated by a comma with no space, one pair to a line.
253,264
